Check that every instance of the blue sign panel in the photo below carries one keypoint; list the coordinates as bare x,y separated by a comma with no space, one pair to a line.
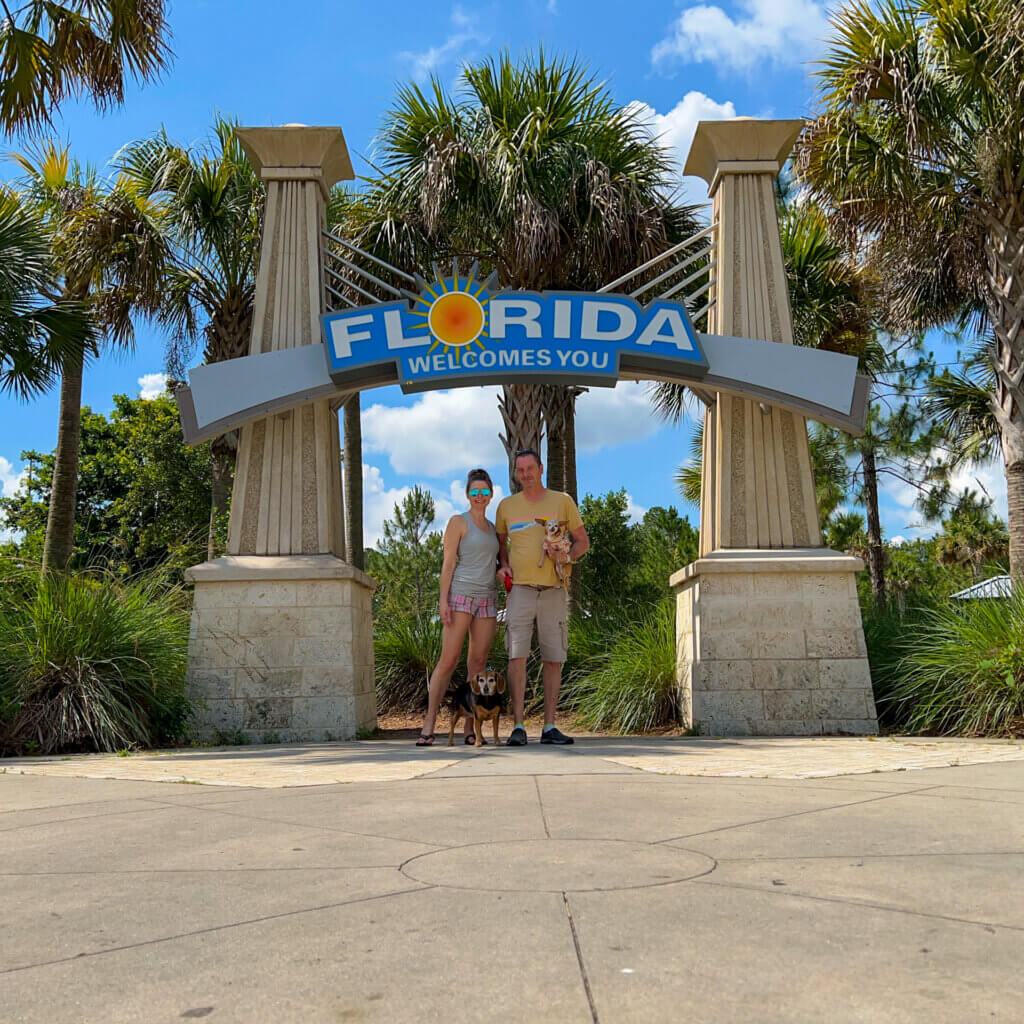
456,333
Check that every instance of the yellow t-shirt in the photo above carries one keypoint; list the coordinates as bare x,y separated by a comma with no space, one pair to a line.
517,518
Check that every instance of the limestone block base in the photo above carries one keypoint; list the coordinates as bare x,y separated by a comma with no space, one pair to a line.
770,643
281,648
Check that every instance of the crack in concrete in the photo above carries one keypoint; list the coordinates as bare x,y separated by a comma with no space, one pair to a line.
867,905
794,814
579,959
213,928
322,828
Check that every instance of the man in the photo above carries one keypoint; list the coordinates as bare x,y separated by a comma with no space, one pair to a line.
536,595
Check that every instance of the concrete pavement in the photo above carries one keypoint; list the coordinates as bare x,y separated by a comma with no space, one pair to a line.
592,883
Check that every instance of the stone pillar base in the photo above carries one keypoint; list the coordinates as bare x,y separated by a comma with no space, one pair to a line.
281,648
770,643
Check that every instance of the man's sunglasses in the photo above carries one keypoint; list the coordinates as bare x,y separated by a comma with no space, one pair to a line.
483,492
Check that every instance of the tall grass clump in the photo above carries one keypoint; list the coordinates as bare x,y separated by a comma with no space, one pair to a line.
963,669
90,662
406,650
628,683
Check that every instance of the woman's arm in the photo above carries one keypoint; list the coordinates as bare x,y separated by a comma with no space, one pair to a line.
453,534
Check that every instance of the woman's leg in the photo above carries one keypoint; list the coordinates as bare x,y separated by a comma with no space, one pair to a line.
481,636
452,639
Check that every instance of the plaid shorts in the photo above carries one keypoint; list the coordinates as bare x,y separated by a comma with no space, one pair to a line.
478,607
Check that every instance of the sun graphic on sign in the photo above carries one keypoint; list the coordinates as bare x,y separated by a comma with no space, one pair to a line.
455,311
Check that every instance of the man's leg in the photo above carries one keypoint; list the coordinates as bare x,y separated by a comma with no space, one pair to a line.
517,688
520,609
552,684
553,633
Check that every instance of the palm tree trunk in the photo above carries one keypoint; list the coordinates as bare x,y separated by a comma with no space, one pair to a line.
876,554
59,544
571,483
556,406
522,410
354,481
1005,301
223,466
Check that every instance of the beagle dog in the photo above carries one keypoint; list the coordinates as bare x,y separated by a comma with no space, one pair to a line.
481,698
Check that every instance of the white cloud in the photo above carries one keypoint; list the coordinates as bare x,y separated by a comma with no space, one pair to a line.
443,432
898,541
152,385
452,431
379,502
611,416
773,31
10,481
634,511
465,34
675,131
10,484
988,481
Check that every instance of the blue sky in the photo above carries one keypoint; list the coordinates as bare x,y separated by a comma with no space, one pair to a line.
332,64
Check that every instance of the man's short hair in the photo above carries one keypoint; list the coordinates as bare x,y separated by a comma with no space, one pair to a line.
527,451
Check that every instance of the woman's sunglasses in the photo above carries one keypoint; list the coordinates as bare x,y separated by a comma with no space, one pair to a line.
483,492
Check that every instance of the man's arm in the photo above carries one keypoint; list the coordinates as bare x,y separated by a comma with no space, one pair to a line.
580,543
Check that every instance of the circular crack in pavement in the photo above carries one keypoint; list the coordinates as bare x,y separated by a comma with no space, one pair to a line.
557,865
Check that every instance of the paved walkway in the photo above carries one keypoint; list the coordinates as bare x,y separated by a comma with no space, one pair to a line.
617,880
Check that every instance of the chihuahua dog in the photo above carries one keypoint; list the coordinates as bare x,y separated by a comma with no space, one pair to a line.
556,541
480,698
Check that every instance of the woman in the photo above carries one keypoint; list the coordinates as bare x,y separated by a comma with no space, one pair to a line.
469,601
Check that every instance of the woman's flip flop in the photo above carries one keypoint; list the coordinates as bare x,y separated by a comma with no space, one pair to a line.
425,740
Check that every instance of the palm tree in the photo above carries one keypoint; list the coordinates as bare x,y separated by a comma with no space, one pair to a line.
919,149
110,257
535,172
50,52
211,205
971,537
39,334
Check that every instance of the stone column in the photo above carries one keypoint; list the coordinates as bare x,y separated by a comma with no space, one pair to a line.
768,628
282,634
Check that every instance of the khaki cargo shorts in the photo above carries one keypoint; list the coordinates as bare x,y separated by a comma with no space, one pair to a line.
549,608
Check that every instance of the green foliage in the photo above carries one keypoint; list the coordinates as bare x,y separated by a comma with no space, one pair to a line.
51,52
143,495
36,337
630,684
407,561
406,649
89,661
963,669
628,565
533,169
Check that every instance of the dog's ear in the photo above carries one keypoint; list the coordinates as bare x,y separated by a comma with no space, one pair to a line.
501,682
564,524
474,684
539,521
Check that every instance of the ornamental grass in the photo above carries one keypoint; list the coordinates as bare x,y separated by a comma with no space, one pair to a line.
90,662
962,672
627,683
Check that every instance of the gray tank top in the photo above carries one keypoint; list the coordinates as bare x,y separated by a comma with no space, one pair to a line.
477,561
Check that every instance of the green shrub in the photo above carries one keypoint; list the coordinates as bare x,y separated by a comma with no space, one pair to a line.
627,682
90,662
962,671
885,632
406,650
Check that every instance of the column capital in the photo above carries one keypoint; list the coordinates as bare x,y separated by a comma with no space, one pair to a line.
741,145
289,150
